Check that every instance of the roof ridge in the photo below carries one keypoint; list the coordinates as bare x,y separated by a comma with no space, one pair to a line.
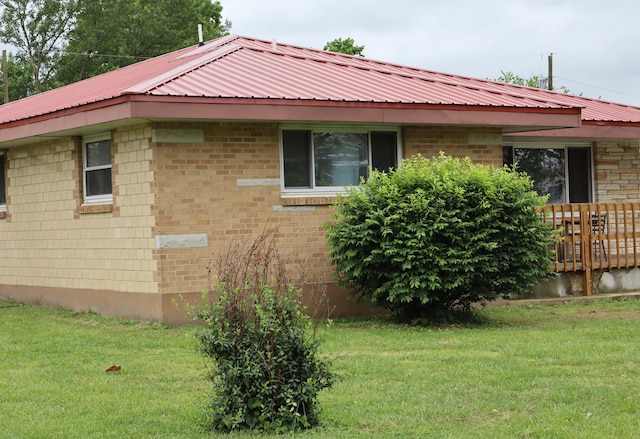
320,55
207,48
207,57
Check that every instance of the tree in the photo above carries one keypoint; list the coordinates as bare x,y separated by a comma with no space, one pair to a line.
437,236
534,81
20,78
110,34
38,29
346,46
511,78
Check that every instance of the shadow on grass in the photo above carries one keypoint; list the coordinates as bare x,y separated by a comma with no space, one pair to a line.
467,319
507,316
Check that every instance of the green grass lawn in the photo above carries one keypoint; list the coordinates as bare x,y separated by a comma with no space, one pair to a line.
566,371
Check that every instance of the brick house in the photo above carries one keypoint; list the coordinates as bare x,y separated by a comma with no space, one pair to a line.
118,190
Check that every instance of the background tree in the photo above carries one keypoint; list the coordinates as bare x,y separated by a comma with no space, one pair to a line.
534,81
511,78
110,34
62,41
38,29
19,72
344,46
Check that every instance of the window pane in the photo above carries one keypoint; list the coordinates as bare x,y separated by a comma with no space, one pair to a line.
295,151
383,150
98,182
340,158
98,153
507,155
546,168
579,170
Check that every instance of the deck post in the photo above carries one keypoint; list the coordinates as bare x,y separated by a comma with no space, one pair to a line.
585,248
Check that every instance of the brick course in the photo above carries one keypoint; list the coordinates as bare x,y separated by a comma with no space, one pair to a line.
616,166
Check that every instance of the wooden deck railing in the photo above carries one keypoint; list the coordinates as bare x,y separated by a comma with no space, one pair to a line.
595,236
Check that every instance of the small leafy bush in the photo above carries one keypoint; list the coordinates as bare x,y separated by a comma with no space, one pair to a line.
437,236
262,347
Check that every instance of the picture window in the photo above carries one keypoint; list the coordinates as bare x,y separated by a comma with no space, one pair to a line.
329,160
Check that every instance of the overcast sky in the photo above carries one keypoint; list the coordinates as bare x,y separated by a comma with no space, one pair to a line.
594,42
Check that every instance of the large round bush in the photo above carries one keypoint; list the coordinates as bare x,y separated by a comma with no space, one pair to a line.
439,235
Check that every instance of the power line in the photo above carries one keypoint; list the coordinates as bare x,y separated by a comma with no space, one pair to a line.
563,78
602,64
96,54
599,88
480,58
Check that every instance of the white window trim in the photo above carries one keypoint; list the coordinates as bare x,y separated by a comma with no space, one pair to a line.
104,198
565,146
325,191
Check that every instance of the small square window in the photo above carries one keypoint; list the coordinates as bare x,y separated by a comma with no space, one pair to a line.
97,169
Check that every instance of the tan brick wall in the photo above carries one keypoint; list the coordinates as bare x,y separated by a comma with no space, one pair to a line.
207,188
454,141
220,181
228,188
47,241
617,169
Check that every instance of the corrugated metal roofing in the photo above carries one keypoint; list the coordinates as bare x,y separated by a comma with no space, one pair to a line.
241,67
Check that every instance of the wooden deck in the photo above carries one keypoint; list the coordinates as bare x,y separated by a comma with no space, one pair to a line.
595,236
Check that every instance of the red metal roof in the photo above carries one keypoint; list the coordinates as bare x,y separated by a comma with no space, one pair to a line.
246,68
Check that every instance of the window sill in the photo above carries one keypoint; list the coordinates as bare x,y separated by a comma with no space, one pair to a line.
308,200
95,208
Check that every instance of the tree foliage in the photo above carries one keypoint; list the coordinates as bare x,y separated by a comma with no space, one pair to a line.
534,81
114,33
20,76
346,46
439,235
62,41
38,29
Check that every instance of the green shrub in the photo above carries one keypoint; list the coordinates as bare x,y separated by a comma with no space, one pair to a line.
265,368
440,235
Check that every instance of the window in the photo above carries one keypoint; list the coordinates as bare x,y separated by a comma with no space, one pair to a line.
329,160
3,184
562,172
96,154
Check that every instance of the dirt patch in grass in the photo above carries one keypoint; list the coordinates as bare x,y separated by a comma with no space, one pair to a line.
604,315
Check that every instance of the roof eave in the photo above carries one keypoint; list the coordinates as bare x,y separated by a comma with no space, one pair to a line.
590,130
146,107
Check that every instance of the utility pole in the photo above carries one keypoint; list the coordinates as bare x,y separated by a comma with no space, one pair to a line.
5,74
550,78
